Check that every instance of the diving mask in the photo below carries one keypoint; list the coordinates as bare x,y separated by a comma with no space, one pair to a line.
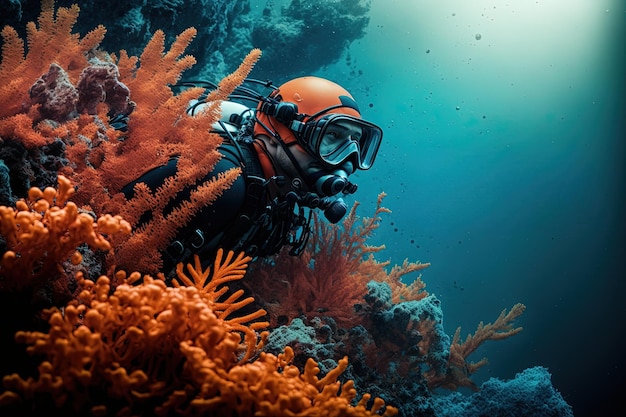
336,138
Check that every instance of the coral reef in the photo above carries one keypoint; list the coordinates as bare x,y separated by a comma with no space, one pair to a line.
72,102
132,23
135,344
410,332
149,346
96,345
285,34
44,238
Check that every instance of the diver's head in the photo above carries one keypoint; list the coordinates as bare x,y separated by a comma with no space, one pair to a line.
322,119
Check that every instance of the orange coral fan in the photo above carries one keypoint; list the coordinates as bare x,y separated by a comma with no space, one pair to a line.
331,274
43,231
458,369
174,133
151,347
159,127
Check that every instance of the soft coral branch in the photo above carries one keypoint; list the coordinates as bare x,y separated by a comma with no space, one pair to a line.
331,275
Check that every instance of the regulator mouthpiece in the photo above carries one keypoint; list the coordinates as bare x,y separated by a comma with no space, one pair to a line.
336,210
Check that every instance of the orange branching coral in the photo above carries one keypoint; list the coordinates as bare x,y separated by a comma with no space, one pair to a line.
154,136
156,128
51,42
331,274
458,369
43,231
405,292
127,343
223,272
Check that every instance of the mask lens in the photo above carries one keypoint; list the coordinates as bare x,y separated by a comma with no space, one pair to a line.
336,138
368,145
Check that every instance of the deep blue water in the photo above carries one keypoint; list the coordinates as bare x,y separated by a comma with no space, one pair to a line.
504,165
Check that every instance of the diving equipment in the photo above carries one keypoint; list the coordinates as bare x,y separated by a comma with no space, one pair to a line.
316,114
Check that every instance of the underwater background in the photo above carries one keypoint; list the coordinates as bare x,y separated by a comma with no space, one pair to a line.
504,160
503,157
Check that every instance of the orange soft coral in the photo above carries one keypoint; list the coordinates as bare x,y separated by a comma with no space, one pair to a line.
43,231
156,133
152,349
227,271
272,386
331,275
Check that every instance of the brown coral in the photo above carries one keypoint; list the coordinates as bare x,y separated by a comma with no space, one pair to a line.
99,83
55,95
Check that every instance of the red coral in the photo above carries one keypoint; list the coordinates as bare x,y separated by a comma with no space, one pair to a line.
331,275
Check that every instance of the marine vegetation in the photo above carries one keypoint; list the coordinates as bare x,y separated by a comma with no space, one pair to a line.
95,329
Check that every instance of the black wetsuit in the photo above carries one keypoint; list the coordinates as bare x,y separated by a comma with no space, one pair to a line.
247,217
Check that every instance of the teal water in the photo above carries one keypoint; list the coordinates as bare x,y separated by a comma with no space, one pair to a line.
503,161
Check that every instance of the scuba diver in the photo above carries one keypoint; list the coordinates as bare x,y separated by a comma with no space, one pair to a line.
296,146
